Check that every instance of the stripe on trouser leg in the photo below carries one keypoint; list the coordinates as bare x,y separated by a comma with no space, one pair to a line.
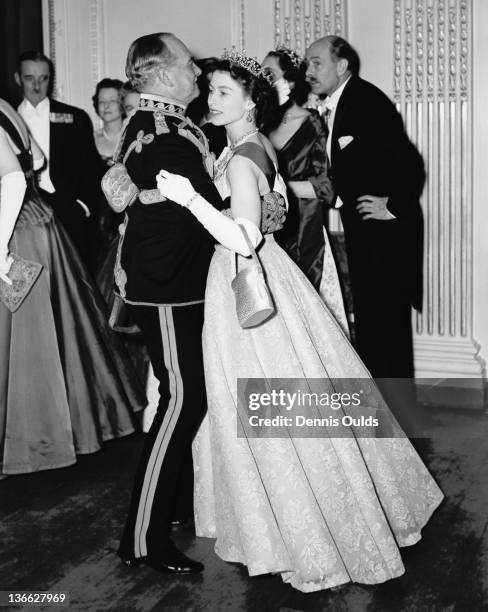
165,432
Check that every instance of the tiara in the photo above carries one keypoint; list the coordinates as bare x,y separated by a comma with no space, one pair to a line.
251,64
294,58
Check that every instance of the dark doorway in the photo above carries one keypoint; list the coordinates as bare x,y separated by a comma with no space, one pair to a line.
20,30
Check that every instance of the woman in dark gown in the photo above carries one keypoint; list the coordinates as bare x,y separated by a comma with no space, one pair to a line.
300,142
66,381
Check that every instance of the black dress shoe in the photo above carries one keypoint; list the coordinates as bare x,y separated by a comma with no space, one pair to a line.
173,561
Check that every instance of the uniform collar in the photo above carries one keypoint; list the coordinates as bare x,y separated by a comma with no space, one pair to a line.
153,101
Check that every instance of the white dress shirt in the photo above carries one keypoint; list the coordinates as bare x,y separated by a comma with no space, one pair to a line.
37,119
331,103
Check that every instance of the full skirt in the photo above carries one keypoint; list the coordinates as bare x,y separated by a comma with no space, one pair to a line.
319,511
66,381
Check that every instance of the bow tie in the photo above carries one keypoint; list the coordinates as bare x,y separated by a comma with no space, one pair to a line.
329,106
325,107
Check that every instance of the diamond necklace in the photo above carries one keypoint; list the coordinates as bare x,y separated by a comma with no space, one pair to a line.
243,138
228,153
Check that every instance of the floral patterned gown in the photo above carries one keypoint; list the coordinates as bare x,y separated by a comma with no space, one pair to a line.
319,511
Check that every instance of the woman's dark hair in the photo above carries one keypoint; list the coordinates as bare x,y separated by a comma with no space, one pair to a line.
107,84
295,75
258,88
198,108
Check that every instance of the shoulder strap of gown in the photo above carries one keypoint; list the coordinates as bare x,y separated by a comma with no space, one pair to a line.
259,156
12,131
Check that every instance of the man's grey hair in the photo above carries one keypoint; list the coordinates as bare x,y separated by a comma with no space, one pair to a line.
146,56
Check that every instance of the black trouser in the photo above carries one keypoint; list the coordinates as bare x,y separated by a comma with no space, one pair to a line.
379,266
174,340
383,331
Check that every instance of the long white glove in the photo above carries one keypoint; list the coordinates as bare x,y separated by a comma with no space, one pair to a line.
223,229
12,190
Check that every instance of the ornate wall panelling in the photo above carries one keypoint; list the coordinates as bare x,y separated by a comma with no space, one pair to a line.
81,63
238,24
433,91
297,23
54,16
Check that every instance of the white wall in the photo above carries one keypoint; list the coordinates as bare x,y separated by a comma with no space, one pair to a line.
204,26
370,31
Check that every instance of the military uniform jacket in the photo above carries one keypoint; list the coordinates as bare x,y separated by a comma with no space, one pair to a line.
164,252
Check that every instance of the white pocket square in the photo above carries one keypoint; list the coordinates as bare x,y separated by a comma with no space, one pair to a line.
345,140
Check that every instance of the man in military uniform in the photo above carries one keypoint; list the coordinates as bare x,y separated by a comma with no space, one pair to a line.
161,272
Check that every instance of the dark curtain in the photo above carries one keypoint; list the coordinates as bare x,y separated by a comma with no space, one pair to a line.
20,30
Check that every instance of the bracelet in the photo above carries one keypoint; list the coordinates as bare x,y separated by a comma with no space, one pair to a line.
191,200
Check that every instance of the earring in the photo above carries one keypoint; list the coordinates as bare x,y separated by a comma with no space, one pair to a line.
250,115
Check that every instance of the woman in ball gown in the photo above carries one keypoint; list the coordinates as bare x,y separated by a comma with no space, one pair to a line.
300,141
66,381
321,511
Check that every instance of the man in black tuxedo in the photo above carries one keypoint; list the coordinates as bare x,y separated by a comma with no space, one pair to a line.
378,178
70,180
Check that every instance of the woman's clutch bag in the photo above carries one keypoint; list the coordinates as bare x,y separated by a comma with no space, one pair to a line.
23,274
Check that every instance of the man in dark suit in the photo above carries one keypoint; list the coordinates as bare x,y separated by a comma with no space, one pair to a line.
70,179
378,177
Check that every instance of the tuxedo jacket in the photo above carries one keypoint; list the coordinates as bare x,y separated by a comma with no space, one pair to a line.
165,252
74,163
372,155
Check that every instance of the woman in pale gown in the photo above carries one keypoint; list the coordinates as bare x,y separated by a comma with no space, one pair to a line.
320,511
66,381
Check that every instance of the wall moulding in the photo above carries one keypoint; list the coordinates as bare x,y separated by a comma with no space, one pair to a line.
83,62
238,24
433,91
54,13
297,23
